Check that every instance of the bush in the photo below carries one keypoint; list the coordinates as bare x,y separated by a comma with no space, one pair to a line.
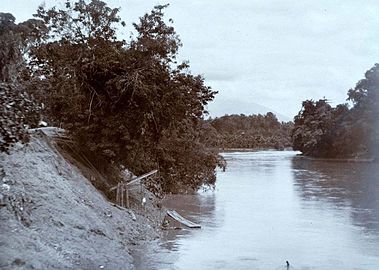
17,112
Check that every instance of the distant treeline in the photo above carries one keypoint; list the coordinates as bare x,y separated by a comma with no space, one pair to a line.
241,131
321,130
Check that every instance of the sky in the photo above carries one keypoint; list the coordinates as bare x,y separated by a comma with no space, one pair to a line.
263,55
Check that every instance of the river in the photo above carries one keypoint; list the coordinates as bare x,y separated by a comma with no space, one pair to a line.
270,207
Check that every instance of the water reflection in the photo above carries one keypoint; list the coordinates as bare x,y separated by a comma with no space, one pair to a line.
269,207
165,252
199,208
347,185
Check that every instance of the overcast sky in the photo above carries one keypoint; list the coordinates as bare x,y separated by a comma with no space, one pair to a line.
273,53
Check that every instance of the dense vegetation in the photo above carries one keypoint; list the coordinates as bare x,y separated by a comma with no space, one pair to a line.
18,109
241,131
129,103
323,131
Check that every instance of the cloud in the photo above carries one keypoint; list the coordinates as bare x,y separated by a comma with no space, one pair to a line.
272,52
220,76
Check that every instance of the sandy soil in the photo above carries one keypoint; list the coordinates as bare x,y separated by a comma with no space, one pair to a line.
52,217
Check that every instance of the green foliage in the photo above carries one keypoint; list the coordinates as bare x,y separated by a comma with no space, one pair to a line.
130,103
321,130
240,131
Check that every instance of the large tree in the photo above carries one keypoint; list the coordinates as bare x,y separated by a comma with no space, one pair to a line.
17,108
321,130
364,116
311,124
129,102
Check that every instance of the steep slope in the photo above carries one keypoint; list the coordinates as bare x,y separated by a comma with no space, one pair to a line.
52,217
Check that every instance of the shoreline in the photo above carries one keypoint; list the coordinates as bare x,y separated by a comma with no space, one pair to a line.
348,160
300,156
226,150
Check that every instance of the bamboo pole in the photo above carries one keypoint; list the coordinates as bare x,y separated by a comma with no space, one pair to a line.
136,179
118,194
127,198
122,195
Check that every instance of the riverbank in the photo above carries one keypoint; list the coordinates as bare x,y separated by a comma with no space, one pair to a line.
52,217
347,160
227,150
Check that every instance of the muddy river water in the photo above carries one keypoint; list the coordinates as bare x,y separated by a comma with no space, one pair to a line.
270,207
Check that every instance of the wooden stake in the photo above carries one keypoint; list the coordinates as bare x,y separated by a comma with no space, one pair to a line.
118,194
122,195
127,197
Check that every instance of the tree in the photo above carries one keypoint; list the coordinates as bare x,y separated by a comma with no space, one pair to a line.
18,109
365,113
310,126
241,131
321,130
129,103
14,40
9,47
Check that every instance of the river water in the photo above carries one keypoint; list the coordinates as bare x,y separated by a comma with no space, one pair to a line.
272,206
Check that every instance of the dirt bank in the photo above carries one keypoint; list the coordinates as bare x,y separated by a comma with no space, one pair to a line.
52,217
